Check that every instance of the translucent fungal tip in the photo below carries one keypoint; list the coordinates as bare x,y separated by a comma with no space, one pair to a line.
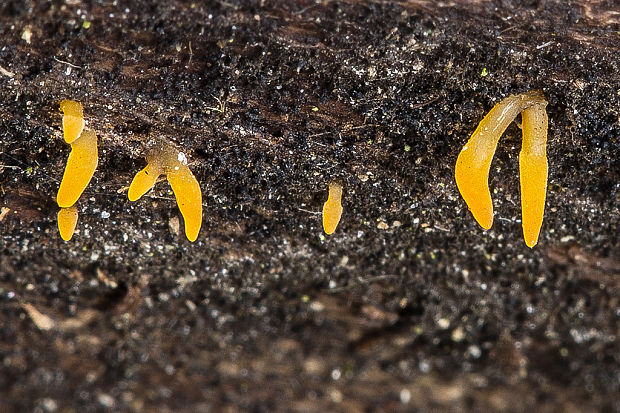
73,119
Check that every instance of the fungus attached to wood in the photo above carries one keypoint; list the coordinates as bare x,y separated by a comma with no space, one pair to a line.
172,163
533,170
145,180
332,209
67,220
80,168
73,119
474,161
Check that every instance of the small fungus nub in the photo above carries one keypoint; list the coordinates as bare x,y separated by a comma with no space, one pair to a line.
332,209
73,119
67,220
474,161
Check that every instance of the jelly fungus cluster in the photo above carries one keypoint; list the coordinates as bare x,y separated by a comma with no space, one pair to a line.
80,167
83,161
471,171
474,161
166,160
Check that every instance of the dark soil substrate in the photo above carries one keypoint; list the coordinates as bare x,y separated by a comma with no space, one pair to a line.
409,306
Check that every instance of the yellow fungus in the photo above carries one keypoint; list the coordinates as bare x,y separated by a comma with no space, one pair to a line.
189,199
144,181
80,168
533,170
73,119
474,161
332,209
67,219
167,160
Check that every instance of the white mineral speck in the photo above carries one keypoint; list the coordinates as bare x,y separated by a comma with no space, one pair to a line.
424,366
474,351
405,396
336,374
105,400
443,323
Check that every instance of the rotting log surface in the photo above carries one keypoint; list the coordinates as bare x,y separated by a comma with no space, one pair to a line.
408,305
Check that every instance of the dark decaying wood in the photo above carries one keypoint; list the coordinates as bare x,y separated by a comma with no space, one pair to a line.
408,305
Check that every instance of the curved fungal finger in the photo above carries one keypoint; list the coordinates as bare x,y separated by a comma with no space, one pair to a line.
165,159
73,119
332,209
80,168
189,198
67,220
144,181
474,161
533,169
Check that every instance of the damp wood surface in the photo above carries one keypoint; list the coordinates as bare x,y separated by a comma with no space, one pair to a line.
408,305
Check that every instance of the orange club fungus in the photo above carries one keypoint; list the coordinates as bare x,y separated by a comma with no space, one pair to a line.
332,209
474,161
166,160
73,119
80,168
67,220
